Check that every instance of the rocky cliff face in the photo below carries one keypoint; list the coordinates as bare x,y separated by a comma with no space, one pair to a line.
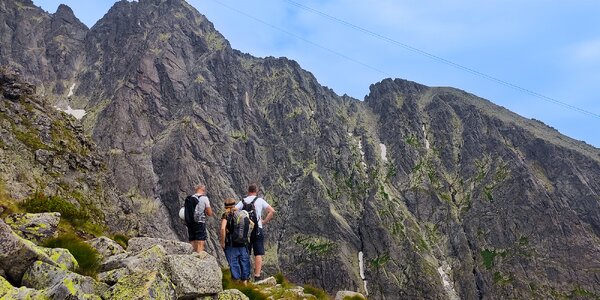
44,153
419,192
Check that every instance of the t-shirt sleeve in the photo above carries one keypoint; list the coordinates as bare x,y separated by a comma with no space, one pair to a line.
239,205
205,201
264,204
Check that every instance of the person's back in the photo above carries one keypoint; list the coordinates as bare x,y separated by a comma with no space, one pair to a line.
197,208
235,246
257,237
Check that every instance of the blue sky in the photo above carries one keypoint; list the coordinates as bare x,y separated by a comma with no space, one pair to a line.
548,47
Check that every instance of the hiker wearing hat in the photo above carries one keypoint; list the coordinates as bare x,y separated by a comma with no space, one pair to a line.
236,227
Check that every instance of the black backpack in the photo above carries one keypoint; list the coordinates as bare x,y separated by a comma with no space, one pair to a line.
249,207
190,206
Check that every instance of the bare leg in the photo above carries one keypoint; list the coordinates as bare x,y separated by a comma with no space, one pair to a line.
200,246
257,264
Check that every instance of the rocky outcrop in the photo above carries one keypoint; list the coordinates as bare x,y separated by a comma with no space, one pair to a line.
34,227
151,273
417,192
18,254
47,158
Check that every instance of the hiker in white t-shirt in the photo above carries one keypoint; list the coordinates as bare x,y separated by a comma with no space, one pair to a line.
257,239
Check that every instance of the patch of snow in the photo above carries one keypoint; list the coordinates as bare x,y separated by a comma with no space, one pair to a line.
362,154
71,90
383,152
446,282
247,99
426,140
77,113
361,265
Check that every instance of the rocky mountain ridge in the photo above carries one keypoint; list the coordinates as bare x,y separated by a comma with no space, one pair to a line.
417,191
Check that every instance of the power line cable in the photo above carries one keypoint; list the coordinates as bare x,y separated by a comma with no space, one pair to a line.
304,39
443,60
403,45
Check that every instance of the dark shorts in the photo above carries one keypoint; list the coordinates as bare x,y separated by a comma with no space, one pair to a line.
197,232
257,242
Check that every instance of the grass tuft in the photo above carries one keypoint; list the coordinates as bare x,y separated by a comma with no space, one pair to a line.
249,290
87,257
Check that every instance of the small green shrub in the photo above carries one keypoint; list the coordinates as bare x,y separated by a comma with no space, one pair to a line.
317,292
38,203
87,257
121,239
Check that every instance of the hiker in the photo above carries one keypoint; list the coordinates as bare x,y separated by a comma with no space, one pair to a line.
235,250
257,238
197,208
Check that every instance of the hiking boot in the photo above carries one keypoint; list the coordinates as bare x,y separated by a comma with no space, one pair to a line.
257,278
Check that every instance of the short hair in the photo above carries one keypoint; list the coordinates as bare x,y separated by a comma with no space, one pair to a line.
200,186
253,188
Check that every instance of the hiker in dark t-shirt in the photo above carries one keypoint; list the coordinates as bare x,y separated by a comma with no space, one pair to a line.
236,254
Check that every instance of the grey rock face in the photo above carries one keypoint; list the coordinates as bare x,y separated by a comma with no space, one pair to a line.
34,227
416,192
194,275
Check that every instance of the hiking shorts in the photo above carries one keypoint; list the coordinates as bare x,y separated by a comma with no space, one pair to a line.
197,232
257,242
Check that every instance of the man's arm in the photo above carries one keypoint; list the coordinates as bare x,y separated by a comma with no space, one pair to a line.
222,235
207,210
270,214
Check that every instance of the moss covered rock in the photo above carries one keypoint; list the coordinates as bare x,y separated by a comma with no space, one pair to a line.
106,247
62,257
142,285
232,294
34,227
343,295
7,291
62,284
17,254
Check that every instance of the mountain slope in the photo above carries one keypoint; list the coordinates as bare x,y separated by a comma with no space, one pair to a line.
427,192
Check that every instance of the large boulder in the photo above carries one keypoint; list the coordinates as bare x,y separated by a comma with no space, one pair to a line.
171,246
17,254
62,284
142,285
7,291
194,275
106,247
342,295
150,259
34,227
